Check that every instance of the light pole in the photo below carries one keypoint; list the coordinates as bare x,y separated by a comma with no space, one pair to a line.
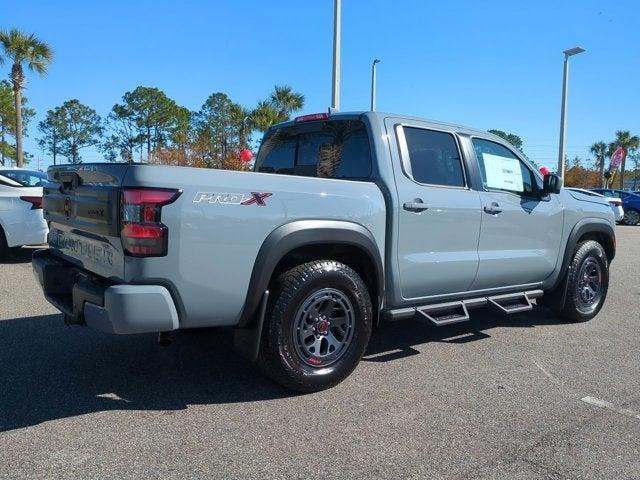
335,87
563,110
373,84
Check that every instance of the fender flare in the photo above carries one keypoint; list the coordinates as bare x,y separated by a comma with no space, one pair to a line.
581,228
301,233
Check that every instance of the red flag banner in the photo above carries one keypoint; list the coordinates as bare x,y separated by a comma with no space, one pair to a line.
618,157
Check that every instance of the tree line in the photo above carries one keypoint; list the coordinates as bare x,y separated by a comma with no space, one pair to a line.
146,125
149,126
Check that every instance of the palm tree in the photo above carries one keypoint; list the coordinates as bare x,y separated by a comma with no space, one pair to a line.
626,141
264,116
25,49
286,101
241,120
599,149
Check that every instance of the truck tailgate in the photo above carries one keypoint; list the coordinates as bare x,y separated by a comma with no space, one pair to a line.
81,204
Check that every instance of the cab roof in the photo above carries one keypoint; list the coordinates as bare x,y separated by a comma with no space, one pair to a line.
381,116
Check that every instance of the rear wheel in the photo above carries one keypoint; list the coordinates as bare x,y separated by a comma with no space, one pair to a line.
631,217
317,327
588,282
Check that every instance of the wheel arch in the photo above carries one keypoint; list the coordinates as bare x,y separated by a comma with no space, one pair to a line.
597,229
305,240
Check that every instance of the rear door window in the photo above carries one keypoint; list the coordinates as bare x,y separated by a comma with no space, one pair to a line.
434,157
330,149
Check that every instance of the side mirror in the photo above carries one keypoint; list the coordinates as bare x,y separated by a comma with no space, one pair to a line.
552,184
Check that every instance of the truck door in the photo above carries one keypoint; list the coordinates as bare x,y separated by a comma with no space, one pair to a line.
521,231
438,217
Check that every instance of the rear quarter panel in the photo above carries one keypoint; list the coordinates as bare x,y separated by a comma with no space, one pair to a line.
213,244
21,224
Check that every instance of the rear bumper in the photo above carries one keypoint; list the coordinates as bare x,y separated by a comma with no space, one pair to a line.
88,300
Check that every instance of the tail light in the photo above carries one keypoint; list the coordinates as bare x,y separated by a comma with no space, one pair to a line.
617,203
142,234
36,202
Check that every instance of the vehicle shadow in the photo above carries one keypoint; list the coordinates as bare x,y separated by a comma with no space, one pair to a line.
17,255
395,340
49,371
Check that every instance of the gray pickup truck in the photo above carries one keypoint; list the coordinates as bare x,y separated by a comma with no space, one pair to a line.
348,219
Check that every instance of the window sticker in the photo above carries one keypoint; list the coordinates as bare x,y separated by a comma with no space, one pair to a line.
503,173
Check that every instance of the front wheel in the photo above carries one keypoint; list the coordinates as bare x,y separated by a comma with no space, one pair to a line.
631,217
317,327
588,282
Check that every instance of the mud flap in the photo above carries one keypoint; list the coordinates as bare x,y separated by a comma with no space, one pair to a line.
247,340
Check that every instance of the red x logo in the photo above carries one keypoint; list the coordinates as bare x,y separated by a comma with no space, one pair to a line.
257,198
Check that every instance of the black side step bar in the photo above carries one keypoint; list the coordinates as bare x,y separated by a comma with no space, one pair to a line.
511,303
447,313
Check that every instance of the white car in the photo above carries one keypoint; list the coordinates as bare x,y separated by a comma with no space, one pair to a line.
21,219
614,203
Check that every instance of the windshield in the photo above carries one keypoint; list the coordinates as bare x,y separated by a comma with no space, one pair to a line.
24,178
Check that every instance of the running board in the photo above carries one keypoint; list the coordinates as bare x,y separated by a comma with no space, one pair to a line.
511,303
442,314
448,313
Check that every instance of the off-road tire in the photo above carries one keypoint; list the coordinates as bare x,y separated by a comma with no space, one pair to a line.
575,308
279,357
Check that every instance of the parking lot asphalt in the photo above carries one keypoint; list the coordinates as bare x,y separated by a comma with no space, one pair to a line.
525,396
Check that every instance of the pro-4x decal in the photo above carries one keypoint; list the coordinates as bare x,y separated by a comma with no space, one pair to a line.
253,198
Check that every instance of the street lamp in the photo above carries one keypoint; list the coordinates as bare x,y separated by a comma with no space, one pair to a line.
373,84
335,85
563,111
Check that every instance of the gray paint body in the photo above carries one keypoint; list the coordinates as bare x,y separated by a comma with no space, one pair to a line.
213,246
451,250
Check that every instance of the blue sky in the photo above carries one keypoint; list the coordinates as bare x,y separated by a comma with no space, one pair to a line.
491,64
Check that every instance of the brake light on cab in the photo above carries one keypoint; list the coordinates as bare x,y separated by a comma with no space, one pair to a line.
143,234
36,202
311,117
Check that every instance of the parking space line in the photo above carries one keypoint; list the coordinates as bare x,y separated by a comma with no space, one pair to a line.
610,406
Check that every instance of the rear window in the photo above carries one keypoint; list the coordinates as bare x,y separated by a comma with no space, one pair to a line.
331,149
23,178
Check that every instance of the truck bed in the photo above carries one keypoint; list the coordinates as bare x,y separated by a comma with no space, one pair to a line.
216,227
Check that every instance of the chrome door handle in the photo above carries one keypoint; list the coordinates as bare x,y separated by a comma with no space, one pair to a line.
493,209
416,206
